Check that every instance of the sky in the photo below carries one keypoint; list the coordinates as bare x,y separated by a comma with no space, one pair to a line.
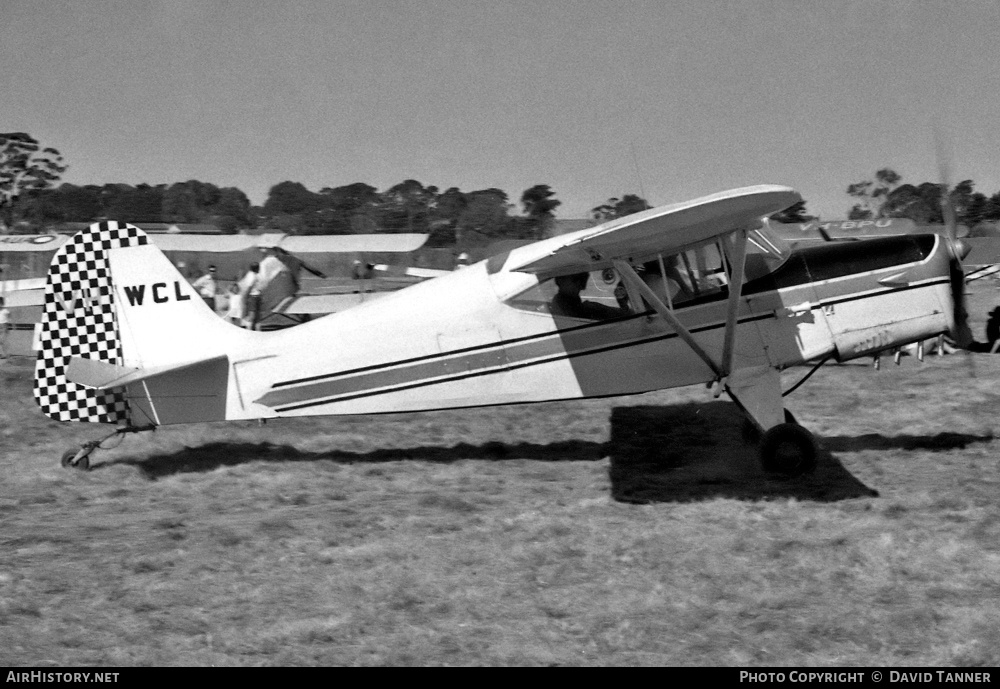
670,99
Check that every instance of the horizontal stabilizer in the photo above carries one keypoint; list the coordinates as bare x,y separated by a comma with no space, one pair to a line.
104,376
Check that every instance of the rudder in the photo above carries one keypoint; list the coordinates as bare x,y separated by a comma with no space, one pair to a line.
79,320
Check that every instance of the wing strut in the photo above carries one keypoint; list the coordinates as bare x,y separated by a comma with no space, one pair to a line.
736,252
667,314
735,248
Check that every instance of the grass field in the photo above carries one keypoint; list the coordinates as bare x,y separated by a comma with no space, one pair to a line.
633,531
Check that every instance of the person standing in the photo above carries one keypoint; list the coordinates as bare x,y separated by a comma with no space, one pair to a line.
207,287
4,327
567,300
234,312
250,292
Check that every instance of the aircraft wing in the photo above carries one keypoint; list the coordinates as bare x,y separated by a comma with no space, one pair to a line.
983,251
324,244
204,243
32,242
982,272
410,271
347,243
24,292
21,284
659,230
231,243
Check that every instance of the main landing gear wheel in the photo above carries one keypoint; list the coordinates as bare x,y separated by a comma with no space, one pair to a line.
788,449
70,455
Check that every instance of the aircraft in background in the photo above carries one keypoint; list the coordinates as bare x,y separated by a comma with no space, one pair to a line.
25,260
980,251
709,297
817,230
283,302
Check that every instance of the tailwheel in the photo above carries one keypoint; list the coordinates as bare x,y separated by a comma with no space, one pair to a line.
80,459
788,449
68,458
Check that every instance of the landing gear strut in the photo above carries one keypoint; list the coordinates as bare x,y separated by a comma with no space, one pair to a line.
80,459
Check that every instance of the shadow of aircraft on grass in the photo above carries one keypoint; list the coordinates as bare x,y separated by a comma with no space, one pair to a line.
691,452
670,453
938,442
218,454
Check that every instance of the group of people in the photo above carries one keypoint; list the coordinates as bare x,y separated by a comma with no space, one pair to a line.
244,295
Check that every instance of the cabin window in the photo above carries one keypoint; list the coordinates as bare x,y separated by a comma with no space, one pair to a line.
591,296
697,273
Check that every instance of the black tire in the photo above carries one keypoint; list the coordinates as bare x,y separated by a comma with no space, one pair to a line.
788,449
752,434
67,461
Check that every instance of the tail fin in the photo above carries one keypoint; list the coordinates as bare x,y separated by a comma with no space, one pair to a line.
114,299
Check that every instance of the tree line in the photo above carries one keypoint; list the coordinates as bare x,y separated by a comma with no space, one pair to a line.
32,200
886,196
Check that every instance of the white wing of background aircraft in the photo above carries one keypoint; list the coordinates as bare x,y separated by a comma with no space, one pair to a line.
293,244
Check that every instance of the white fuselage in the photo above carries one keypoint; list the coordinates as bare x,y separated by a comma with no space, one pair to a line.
455,342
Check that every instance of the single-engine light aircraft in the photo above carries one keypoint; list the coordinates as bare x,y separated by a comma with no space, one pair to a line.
708,297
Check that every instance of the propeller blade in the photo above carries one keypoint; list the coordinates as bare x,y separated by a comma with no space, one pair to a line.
944,179
962,335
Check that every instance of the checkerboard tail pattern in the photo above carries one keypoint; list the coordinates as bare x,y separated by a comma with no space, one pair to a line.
78,319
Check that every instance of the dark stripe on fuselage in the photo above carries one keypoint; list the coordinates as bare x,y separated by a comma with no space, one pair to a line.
500,356
464,350
359,384
363,385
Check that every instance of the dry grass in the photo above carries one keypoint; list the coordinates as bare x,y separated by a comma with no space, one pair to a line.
633,531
